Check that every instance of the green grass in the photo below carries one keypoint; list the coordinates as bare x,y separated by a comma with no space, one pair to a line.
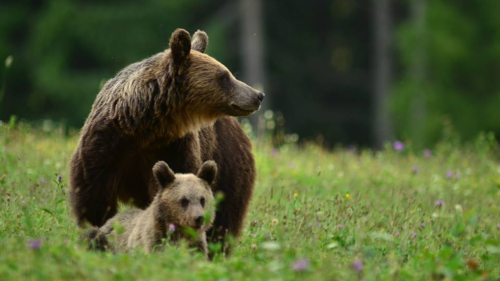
389,223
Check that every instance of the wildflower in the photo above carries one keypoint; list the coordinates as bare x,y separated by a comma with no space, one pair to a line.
295,195
458,208
357,266
423,224
415,169
398,146
271,246
449,174
301,265
439,203
274,222
254,246
427,153
398,234
347,196
352,149
59,178
339,226
23,203
171,227
35,244
414,235
43,180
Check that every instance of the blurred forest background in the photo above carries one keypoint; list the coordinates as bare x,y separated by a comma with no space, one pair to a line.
339,71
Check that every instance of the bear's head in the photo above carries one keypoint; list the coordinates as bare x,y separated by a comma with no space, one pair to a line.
206,85
186,200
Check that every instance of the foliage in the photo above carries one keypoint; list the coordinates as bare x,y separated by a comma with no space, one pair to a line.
458,44
315,215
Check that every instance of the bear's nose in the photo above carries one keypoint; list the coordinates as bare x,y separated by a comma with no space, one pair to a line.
198,220
261,96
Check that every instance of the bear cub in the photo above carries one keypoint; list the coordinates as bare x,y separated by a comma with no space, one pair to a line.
183,201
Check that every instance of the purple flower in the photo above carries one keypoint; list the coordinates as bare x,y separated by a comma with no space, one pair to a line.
449,174
35,244
171,227
423,224
398,234
415,169
427,153
339,226
43,180
357,266
23,203
439,203
59,178
398,146
414,235
352,149
301,265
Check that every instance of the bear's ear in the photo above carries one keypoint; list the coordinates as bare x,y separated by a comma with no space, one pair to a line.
200,41
180,45
208,172
163,174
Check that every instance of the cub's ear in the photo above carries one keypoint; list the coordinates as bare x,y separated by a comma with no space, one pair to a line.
163,174
200,41
180,45
208,172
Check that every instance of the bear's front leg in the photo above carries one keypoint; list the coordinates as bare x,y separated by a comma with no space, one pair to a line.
92,193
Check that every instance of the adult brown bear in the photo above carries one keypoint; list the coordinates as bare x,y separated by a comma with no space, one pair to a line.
173,106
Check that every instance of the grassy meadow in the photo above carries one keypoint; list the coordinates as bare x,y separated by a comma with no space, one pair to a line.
398,214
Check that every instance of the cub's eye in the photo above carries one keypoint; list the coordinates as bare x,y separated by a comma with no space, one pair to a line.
202,201
184,202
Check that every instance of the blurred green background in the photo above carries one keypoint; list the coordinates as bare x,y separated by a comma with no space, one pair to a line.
338,71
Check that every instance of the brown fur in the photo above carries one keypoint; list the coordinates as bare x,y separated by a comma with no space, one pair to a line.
183,200
168,107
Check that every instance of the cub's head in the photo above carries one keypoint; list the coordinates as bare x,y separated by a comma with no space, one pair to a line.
187,199
207,85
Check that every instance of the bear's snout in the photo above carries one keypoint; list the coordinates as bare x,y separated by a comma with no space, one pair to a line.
198,221
261,96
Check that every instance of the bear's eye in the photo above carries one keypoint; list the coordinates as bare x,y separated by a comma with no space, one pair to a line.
224,78
184,202
202,202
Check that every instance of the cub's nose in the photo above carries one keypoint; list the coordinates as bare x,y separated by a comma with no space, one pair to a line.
198,221
261,96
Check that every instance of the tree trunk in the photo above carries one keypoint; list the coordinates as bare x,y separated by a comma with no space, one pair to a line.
382,76
417,72
252,38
